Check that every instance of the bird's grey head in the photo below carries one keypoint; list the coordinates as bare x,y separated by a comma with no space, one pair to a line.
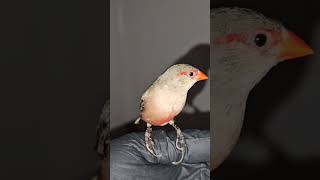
182,76
245,45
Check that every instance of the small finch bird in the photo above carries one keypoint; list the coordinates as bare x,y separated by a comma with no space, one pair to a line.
165,99
245,45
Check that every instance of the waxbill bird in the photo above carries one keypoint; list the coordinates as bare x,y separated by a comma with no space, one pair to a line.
245,45
165,99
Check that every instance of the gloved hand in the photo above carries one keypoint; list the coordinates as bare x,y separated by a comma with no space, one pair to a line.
129,158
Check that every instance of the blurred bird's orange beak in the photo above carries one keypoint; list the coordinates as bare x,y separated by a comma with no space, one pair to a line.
293,47
201,76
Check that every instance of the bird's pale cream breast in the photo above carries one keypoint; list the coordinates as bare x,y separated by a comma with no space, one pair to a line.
161,106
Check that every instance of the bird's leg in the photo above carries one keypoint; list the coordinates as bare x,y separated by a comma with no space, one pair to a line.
180,144
149,141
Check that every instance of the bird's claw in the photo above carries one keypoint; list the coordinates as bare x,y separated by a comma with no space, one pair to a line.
180,143
181,158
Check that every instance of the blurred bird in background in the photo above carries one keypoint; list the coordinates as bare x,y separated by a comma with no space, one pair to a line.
165,99
245,45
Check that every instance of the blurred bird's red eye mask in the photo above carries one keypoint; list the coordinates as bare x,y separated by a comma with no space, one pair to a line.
247,38
192,73
289,45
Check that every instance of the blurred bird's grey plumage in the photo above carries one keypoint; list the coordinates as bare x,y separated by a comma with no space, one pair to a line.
103,130
237,64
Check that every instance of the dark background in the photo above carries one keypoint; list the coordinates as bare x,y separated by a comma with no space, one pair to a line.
281,129
54,75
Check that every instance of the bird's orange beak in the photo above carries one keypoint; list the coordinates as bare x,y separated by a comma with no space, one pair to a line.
201,76
293,47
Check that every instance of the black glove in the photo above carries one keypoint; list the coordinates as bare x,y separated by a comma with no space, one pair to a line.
129,158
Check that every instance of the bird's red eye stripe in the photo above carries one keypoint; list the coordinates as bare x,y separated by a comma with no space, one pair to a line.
195,73
241,37
183,74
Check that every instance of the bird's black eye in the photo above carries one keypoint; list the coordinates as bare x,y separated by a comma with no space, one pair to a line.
191,74
260,40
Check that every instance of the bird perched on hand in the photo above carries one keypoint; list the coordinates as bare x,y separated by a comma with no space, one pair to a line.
165,99
245,45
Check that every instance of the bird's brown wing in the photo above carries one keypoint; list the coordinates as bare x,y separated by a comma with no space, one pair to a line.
141,110
141,105
143,100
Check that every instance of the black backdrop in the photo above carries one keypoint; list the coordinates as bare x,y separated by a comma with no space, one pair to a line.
54,67
279,138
